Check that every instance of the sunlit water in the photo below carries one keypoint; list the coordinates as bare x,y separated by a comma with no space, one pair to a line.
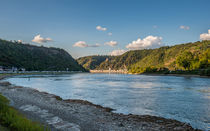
186,99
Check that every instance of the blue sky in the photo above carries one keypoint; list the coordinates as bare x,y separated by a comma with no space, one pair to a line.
66,22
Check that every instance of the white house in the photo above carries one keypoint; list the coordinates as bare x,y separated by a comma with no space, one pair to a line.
1,68
22,69
14,69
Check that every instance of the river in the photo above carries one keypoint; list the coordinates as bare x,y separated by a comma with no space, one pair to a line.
186,99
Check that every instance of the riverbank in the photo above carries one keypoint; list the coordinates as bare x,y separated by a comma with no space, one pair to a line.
181,75
153,73
11,119
8,74
109,71
61,114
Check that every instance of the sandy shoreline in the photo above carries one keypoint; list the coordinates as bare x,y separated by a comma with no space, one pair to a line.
75,115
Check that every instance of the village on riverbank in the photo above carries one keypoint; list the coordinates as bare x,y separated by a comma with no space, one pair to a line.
4,69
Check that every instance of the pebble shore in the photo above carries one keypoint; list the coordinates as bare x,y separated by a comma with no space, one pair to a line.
79,115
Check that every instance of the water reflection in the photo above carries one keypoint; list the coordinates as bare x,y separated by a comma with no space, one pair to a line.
183,98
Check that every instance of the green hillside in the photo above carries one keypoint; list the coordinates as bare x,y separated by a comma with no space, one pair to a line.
35,58
92,62
190,56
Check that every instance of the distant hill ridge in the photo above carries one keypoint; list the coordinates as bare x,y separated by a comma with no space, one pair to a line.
92,62
36,58
171,58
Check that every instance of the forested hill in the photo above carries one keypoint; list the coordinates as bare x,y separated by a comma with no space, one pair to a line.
35,58
188,56
92,62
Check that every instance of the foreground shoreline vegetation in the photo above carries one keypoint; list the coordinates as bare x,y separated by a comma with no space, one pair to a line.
123,120
13,120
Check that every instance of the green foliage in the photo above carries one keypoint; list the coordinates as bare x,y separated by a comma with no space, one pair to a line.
10,118
204,61
151,69
190,56
92,62
205,72
191,61
34,58
185,60
4,99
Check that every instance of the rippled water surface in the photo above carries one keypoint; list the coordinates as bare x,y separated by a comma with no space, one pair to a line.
186,99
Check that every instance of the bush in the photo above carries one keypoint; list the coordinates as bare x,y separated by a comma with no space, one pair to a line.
205,72
10,118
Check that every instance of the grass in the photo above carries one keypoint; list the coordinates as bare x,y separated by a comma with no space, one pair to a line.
3,128
13,120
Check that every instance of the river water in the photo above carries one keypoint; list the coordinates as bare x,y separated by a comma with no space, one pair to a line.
186,99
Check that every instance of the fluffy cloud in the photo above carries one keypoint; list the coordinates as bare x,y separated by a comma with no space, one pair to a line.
184,27
147,43
101,28
19,41
80,44
110,33
39,39
111,43
205,36
117,52
83,44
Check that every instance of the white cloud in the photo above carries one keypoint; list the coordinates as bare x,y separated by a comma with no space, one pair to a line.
110,33
39,39
184,27
80,44
205,36
101,28
83,44
149,42
117,52
19,41
111,43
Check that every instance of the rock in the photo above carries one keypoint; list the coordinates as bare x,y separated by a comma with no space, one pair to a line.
178,129
121,125
5,84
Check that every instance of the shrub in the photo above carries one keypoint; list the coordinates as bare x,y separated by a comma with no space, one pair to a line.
12,119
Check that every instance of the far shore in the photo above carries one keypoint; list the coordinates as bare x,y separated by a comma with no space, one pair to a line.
153,74
10,74
183,75
109,71
76,115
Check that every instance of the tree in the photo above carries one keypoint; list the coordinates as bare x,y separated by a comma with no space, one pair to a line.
204,61
185,60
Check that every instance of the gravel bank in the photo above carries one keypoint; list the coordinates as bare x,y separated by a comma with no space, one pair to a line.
75,115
